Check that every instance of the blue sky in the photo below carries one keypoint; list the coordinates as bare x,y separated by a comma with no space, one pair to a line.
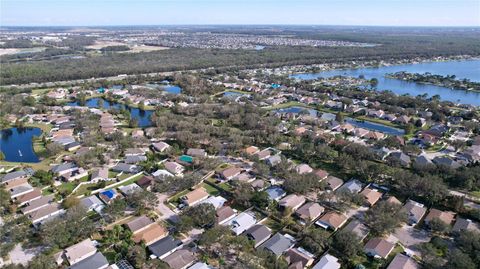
159,12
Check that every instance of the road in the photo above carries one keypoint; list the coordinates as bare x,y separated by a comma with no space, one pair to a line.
165,212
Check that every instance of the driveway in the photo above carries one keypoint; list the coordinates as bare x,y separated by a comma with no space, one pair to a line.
410,237
20,256
165,212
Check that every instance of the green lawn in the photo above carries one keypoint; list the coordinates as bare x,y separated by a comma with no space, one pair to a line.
210,189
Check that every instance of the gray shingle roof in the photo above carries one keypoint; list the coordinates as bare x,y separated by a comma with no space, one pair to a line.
164,245
93,262
278,244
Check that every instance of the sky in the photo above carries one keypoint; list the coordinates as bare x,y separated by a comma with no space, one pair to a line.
295,12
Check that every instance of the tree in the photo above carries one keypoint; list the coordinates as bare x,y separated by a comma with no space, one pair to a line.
2,156
43,178
142,201
438,226
53,149
115,209
347,243
339,117
137,256
133,122
67,229
242,194
213,235
70,202
459,260
385,217
42,261
141,105
316,240
260,199
202,216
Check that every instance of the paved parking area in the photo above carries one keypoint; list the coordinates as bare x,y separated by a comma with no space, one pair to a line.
410,237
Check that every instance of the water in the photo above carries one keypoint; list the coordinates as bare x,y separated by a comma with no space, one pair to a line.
142,116
330,116
469,69
375,127
297,110
165,86
16,144
233,95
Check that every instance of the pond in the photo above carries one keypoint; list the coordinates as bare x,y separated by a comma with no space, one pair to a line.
297,110
376,127
165,86
142,116
330,116
469,69
16,144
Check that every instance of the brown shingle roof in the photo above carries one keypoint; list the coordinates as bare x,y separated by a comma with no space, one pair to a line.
151,234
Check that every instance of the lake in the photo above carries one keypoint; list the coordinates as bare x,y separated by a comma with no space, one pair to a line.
165,86
297,110
330,116
469,69
142,116
16,144
375,127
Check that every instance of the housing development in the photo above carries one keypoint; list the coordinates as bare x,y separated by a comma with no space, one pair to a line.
308,165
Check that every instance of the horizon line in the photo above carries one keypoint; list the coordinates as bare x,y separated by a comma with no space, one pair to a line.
247,24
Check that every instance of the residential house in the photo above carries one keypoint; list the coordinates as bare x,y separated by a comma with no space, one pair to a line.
196,152
129,189
466,225
274,160
150,234
357,228
180,259
200,265
49,211
275,193
264,154
401,158
334,183
194,197
402,119
224,214
92,203
64,168
446,161
162,174
401,261
379,248
415,211
371,196
299,258
242,222
145,182
353,186
174,167
332,220
327,262
80,251
96,261
292,201
321,174
303,169
126,168
309,211
278,244
160,146
216,201
258,233
37,204
13,176
99,174
446,217
20,190
230,173
28,197
251,150
164,247
135,159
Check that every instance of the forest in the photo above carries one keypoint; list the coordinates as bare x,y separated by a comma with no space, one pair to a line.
405,44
